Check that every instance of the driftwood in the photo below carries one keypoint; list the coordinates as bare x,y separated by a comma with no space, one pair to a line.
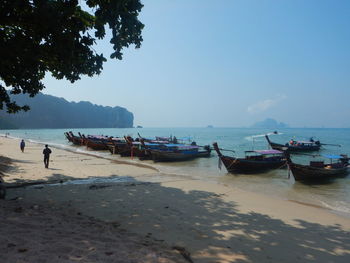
184,253
25,184
95,187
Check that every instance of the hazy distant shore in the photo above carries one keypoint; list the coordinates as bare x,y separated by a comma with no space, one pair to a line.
165,213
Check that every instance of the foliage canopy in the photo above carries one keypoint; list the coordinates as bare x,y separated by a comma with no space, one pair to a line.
57,36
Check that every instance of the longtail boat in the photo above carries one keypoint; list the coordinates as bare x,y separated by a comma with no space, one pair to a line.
95,144
254,161
319,170
77,140
137,148
144,151
68,136
178,152
127,149
295,146
119,146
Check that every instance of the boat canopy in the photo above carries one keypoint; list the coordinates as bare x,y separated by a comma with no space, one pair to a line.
266,152
332,156
182,146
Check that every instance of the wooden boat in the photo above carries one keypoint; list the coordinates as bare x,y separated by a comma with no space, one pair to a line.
178,152
121,146
295,146
95,145
146,147
259,161
137,149
95,142
68,136
160,140
129,148
205,153
77,140
115,146
319,170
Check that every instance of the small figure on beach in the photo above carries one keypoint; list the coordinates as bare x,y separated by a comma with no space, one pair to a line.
47,151
22,145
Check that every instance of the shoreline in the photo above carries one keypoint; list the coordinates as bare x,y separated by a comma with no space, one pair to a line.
213,222
275,183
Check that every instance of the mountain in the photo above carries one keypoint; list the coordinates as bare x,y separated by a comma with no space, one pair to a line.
47,111
270,123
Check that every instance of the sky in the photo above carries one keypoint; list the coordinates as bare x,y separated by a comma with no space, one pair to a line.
229,63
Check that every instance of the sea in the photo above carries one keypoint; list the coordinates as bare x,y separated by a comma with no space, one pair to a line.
333,195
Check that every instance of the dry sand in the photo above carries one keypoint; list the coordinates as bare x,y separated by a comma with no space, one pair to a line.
212,222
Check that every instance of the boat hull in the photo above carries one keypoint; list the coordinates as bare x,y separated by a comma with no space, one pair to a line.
309,147
290,148
240,165
95,145
309,173
73,139
166,156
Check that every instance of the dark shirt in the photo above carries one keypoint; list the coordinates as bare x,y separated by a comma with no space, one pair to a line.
22,144
46,152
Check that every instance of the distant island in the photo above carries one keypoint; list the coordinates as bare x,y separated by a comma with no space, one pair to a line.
52,112
270,123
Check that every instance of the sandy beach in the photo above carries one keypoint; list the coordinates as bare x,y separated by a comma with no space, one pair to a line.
150,216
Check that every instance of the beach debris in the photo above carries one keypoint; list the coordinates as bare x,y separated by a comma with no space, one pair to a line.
35,184
95,187
184,253
109,253
21,250
11,245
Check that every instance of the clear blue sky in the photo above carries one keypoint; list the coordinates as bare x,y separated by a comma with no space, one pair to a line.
229,63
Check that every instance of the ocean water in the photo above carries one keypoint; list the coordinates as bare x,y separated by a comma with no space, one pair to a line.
333,195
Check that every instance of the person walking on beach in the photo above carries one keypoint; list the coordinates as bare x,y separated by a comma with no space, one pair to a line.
22,145
46,153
